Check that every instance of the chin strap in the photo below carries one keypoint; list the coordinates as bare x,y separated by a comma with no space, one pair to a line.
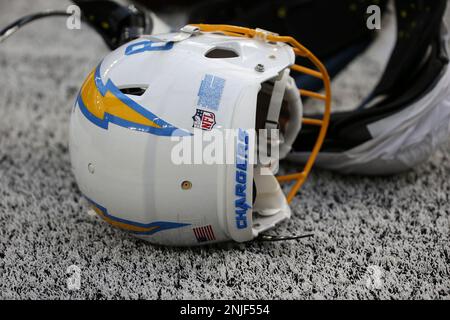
276,100
16,25
270,238
117,24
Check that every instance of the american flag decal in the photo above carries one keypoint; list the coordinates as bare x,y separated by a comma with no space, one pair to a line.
204,234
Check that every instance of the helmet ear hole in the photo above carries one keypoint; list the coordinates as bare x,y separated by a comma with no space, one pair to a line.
262,104
254,193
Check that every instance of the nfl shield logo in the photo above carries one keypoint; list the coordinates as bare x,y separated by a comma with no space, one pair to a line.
204,120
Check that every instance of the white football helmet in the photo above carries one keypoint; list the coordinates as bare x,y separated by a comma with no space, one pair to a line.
156,93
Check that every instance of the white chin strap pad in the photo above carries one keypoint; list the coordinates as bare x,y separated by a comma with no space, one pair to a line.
295,105
271,206
276,100
285,89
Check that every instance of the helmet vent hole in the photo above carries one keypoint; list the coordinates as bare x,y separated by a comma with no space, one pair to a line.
221,53
134,91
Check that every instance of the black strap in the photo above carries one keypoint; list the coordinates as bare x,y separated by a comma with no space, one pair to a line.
271,238
117,24
414,67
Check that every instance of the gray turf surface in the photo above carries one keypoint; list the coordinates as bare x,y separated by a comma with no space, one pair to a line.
398,225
